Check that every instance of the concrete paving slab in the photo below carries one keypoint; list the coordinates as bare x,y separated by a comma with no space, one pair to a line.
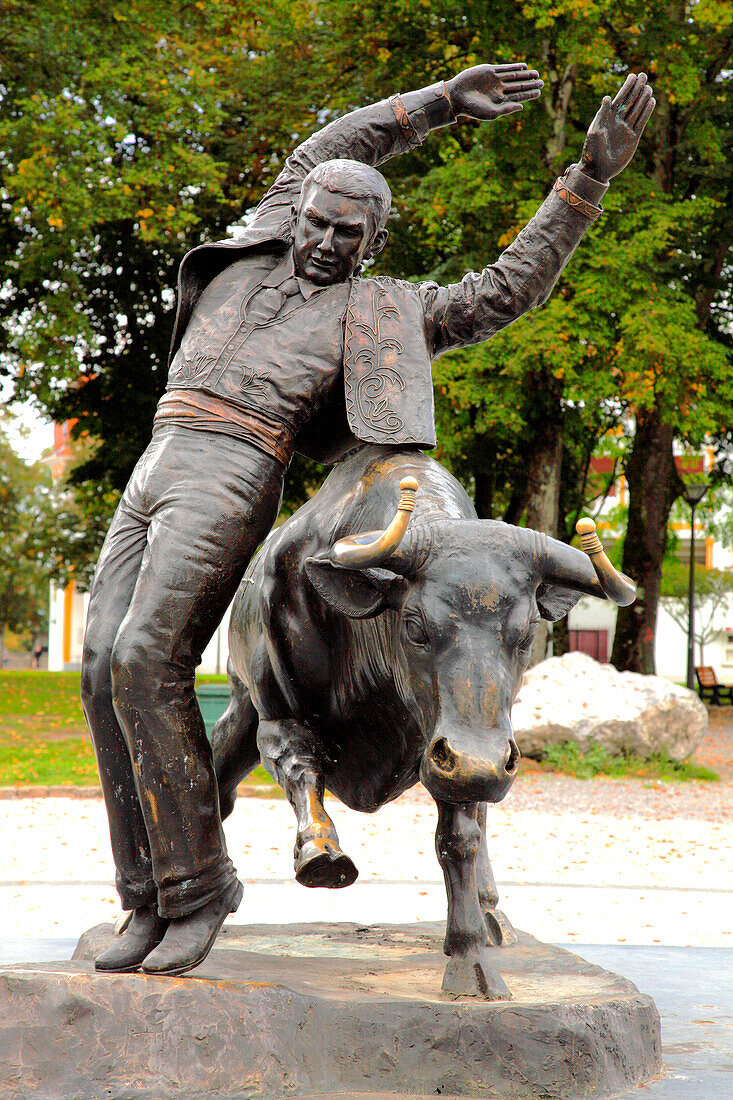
693,990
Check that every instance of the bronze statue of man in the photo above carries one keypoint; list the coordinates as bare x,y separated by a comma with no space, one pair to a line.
280,345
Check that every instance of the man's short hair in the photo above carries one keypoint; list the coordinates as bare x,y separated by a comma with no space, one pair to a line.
356,181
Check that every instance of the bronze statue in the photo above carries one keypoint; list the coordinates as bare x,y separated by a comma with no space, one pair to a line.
364,661
281,345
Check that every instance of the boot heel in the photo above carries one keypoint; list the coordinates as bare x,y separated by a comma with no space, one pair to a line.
237,899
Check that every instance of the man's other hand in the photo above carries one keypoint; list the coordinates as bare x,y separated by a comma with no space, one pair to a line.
489,91
614,133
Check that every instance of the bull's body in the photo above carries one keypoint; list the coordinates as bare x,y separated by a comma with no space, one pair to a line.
367,680
300,656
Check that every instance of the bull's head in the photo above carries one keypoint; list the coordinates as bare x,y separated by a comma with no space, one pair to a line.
468,596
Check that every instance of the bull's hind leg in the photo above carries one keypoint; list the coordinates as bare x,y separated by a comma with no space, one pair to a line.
500,931
293,756
234,742
469,972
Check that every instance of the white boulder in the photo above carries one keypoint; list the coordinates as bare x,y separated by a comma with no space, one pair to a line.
574,698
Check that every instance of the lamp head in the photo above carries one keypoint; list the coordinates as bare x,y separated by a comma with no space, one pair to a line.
694,491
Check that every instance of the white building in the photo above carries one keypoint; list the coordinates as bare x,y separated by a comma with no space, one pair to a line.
68,615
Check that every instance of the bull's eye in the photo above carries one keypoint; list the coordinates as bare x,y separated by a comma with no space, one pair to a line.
415,630
524,644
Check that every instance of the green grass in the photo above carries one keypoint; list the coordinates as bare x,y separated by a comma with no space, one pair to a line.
43,735
36,704
67,762
44,741
568,759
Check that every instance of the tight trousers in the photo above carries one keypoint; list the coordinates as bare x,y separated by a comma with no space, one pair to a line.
195,510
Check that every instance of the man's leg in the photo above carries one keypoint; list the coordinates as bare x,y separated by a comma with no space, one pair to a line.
114,582
215,500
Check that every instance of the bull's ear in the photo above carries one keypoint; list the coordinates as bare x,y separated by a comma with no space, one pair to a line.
356,593
554,602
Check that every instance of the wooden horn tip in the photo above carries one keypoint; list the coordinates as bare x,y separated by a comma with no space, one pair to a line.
585,526
408,483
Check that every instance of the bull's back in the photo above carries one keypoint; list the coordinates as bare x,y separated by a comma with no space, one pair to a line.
359,494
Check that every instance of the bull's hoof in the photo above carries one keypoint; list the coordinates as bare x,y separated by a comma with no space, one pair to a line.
320,863
501,933
471,976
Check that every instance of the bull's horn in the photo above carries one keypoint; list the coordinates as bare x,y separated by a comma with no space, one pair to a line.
617,586
374,547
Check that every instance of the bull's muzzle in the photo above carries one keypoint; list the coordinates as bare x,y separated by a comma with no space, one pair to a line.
456,774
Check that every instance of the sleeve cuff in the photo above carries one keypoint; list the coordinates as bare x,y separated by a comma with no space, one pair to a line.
418,113
584,185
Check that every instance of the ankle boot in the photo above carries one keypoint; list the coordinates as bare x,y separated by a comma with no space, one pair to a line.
144,932
189,939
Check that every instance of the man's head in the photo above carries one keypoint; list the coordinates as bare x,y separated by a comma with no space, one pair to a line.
340,220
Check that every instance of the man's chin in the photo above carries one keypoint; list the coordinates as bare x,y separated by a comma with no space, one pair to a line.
323,275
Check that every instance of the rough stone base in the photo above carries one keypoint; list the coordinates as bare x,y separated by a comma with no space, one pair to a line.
321,1009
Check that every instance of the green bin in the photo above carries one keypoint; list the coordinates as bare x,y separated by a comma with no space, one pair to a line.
213,700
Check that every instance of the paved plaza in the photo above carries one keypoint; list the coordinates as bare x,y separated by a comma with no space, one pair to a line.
636,875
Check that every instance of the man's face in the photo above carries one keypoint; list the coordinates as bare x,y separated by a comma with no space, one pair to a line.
331,235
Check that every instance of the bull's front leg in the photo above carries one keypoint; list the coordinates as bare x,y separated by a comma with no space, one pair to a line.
294,758
469,972
500,931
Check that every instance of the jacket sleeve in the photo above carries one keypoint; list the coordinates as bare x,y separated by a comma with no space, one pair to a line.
521,279
371,135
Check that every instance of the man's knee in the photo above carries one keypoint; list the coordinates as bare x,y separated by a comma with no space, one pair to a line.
96,680
134,669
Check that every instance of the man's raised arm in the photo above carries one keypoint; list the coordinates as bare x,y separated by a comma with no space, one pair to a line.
396,125
525,274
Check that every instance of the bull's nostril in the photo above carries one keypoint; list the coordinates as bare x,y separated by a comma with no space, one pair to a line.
442,755
512,760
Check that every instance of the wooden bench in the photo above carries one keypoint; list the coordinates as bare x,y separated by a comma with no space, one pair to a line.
710,689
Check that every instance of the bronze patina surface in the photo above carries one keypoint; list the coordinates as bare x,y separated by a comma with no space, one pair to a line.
281,344
363,660
322,1009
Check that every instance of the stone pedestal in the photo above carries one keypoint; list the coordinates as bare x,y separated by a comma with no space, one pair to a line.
327,1010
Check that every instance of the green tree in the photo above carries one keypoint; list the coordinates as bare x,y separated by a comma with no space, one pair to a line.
682,367
132,134
636,332
25,506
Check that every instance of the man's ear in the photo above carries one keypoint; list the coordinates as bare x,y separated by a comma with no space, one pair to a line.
376,244
356,593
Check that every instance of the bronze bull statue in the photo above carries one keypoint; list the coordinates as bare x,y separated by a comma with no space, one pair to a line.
364,662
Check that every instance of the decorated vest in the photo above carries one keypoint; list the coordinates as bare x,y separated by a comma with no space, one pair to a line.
387,383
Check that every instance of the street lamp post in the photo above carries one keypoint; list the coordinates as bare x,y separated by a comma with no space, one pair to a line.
693,494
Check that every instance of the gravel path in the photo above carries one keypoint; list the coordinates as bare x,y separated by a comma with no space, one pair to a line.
601,860
648,799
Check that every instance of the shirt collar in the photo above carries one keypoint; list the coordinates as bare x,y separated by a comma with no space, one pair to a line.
286,270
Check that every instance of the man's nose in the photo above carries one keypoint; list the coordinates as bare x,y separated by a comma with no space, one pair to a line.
327,242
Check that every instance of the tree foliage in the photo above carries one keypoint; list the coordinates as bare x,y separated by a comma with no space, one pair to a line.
131,133
25,521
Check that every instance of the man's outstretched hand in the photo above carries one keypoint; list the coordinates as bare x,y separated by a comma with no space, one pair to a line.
489,91
614,133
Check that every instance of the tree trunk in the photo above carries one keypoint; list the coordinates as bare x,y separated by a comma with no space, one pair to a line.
654,485
543,493
560,637
483,497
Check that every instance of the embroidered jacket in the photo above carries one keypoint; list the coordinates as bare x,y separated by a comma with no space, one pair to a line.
394,329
